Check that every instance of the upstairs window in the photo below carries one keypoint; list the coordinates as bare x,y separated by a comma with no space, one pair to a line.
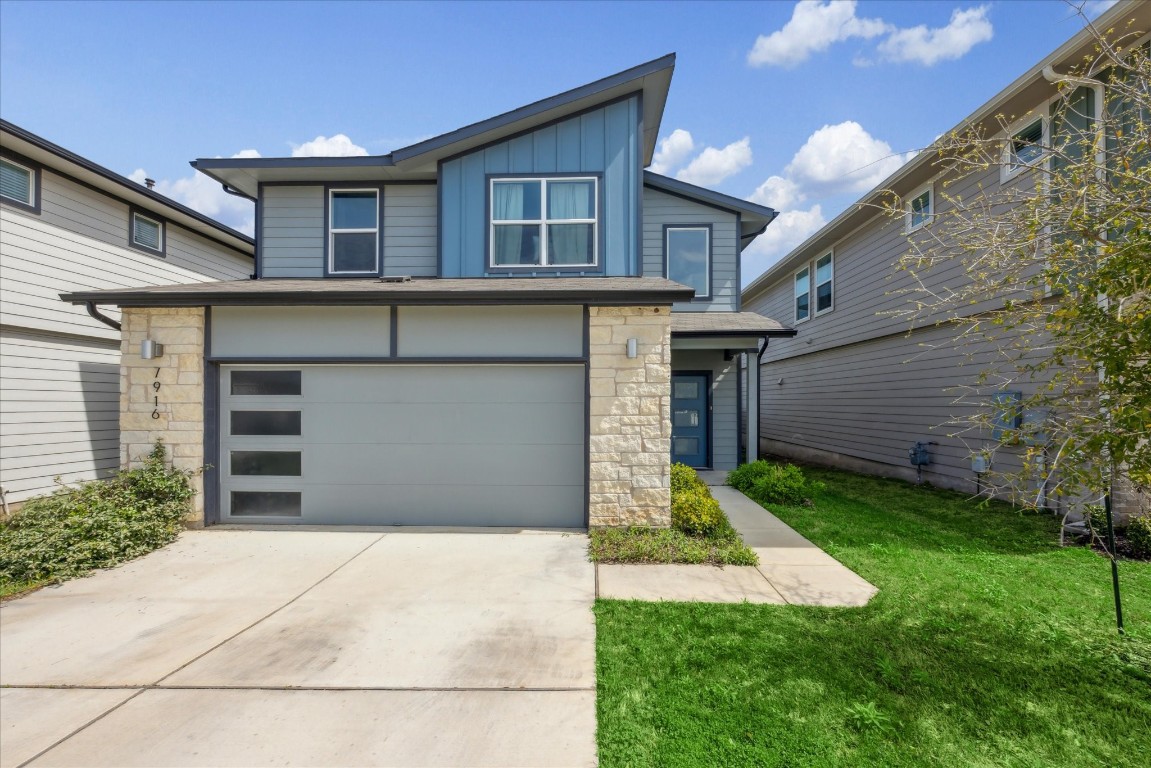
353,232
823,280
689,258
147,233
18,184
544,222
920,209
802,294
1026,148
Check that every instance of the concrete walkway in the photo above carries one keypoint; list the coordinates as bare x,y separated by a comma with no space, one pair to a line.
791,569
309,648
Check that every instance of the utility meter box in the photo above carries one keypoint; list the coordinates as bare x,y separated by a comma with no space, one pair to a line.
919,455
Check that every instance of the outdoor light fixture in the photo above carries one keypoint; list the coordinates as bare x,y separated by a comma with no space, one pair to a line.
632,347
150,350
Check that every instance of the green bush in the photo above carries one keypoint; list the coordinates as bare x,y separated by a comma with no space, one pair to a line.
1139,535
694,511
684,478
97,524
769,483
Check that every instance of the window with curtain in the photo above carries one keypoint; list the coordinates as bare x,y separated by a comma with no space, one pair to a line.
353,232
543,222
689,258
147,233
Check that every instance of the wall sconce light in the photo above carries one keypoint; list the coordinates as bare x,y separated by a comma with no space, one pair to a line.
632,348
149,350
780,382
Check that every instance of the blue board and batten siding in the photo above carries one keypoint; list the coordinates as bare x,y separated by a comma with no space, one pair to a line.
292,230
602,141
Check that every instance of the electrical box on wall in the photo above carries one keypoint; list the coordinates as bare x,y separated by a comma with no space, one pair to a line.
919,455
1032,425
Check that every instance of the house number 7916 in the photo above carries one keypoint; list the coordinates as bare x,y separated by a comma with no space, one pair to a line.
156,398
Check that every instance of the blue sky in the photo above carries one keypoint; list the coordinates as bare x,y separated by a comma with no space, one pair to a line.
801,107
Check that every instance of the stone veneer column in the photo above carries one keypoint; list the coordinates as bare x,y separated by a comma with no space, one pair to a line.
630,477
180,405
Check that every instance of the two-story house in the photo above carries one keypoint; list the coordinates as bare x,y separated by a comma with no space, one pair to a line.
512,324
67,224
858,387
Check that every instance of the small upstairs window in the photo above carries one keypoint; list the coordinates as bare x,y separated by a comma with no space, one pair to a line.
18,184
545,222
823,280
353,232
920,209
147,233
803,294
689,258
1026,148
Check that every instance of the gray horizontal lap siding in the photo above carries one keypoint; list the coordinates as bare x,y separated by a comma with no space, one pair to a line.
660,210
724,401
410,230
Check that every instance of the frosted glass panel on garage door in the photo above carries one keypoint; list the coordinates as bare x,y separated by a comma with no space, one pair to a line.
301,331
491,331
474,445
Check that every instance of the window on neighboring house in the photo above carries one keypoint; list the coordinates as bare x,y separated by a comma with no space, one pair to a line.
920,209
689,258
353,232
147,233
1026,148
17,183
802,294
544,222
823,280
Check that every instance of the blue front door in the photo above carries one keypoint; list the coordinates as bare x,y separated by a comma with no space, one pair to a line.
689,419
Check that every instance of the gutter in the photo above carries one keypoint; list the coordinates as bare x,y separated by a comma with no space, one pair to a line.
96,313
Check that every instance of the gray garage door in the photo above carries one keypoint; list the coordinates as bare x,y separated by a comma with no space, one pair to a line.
472,445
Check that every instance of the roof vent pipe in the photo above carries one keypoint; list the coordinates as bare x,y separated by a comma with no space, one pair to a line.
150,183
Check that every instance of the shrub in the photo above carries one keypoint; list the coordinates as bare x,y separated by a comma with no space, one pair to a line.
1139,535
769,483
97,524
694,511
684,478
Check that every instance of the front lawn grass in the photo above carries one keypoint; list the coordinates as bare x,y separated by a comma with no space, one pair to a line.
667,545
987,645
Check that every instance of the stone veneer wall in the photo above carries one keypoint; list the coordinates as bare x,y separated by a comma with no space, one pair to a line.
179,401
630,413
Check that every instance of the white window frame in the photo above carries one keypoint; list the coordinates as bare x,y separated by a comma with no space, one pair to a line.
1009,167
134,216
795,294
706,295
542,222
31,201
814,298
908,224
332,232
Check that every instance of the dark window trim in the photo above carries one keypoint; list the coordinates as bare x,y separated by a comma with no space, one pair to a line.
133,212
710,258
710,413
37,176
543,269
378,188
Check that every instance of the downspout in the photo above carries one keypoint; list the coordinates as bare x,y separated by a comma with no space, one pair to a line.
237,193
94,312
758,395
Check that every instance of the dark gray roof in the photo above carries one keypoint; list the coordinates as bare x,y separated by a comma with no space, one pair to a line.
18,139
512,290
726,324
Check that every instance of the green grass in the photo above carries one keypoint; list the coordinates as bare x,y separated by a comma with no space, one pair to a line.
987,645
668,545
13,589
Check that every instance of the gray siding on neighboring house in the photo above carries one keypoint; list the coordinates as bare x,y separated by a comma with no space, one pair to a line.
291,231
724,397
410,230
59,368
661,209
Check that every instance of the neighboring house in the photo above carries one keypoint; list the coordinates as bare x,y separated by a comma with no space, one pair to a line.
511,324
854,389
67,224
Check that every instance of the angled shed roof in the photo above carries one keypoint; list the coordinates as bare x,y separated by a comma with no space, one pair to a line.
754,218
727,324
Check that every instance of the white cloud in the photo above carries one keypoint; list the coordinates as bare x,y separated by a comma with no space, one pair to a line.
778,193
788,230
672,151
967,28
712,166
322,146
813,27
842,158
205,195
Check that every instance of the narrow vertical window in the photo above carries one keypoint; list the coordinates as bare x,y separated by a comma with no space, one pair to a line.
147,233
920,210
17,183
689,258
802,294
353,232
823,280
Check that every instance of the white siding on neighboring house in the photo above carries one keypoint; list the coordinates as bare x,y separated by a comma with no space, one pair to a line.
59,367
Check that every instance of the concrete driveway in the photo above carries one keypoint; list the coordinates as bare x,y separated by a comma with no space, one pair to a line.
309,648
